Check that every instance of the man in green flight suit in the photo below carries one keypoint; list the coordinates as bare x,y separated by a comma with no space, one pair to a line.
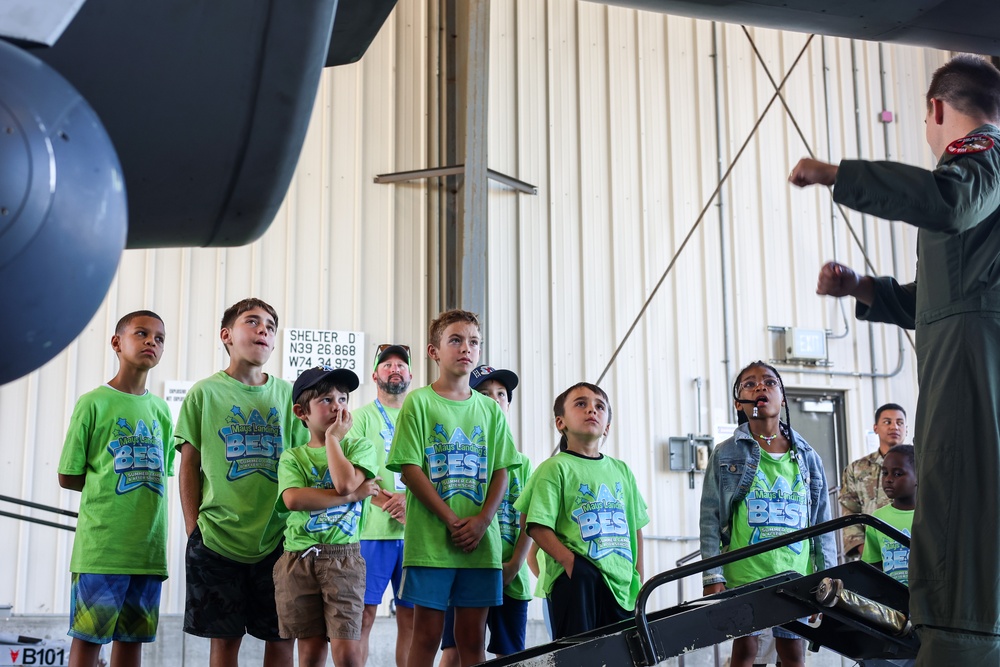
954,304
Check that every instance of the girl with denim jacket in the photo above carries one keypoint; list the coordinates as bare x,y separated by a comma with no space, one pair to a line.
763,482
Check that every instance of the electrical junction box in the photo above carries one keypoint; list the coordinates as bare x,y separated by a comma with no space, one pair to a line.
690,454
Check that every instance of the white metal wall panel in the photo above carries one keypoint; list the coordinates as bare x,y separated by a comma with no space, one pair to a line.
612,114
616,123
343,253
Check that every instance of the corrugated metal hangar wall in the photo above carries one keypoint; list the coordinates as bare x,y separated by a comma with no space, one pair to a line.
626,122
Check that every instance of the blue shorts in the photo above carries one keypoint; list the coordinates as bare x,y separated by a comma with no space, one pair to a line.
780,633
384,562
114,607
443,587
507,625
448,633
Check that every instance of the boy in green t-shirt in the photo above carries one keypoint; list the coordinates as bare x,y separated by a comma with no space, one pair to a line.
584,510
114,453
319,582
899,481
508,622
453,447
232,429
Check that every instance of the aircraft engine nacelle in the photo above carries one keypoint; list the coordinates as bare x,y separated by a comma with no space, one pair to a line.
63,215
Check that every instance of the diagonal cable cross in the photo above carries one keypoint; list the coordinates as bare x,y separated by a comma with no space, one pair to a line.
704,210
805,143
776,96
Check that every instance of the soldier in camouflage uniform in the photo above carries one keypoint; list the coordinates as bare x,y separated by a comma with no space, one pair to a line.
861,486
954,305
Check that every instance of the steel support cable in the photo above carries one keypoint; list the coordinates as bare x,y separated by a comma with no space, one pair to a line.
701,215
805,142
777,95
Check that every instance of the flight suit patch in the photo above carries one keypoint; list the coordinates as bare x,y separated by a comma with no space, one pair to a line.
974,143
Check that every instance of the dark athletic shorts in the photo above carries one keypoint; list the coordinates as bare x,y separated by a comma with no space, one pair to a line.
584,602
507,624
228,599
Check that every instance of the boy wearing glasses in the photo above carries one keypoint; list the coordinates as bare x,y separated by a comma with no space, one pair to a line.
382,534
232,429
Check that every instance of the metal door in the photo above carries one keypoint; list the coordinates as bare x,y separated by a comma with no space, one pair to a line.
819,418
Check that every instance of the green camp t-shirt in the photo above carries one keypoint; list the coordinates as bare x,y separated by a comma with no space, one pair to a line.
776,504
519,587
459,445
306,467
594,508
540,584
894,556
240,432
117,440
369,423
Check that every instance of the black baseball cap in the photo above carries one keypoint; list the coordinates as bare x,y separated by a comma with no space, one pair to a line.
483,373
385,350
341,377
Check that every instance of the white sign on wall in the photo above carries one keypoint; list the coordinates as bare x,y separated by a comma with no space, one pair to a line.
174,392
306,348
871,440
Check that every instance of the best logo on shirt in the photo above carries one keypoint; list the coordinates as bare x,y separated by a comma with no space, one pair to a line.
456,463
138,456
603,522
253,444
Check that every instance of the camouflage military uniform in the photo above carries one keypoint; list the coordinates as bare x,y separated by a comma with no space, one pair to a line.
861,493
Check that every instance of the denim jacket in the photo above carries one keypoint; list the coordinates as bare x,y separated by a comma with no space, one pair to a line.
731,471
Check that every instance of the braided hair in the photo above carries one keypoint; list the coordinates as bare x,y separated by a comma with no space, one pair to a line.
741,417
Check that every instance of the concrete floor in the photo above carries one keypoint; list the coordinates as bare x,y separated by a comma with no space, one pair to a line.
173,648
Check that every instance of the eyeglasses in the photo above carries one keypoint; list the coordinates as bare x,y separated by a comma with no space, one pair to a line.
750,385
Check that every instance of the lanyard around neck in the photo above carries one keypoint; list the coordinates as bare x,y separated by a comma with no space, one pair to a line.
385,417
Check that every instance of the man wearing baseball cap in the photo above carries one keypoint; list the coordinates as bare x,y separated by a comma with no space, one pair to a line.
382,534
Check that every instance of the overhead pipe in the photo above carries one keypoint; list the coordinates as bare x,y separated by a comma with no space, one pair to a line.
723,246
833,208
873,375
864,218
892,225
